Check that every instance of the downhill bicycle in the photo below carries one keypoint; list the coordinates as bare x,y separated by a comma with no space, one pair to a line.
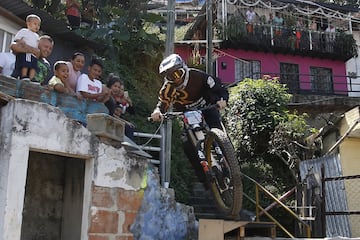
217,158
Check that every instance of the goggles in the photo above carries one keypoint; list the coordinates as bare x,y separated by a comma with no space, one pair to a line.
177,74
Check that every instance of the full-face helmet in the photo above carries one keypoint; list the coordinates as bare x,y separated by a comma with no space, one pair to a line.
172,68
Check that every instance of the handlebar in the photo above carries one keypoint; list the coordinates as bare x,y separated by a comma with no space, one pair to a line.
173,115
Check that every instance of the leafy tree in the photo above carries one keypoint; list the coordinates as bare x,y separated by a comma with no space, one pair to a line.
261,127
257,112
268,137
51,7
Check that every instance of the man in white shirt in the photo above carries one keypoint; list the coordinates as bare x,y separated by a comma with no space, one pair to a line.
7,63
89,86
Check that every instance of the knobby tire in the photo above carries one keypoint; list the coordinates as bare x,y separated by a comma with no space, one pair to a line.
231,210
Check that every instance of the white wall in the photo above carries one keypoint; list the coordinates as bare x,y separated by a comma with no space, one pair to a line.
353,66
8,25
8,30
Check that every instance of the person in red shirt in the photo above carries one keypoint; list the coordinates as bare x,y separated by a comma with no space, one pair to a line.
73,13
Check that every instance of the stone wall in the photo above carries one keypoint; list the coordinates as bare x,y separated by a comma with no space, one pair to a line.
115,181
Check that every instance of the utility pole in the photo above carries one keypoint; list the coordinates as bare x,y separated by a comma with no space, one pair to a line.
209,37
165,157
170,22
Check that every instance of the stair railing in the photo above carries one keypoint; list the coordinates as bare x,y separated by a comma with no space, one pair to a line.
256,202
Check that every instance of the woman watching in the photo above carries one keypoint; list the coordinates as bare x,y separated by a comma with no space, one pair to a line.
75,66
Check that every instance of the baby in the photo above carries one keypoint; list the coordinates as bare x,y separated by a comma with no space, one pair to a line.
26,61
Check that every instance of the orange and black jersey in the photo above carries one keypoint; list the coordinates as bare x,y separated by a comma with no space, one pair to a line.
201,90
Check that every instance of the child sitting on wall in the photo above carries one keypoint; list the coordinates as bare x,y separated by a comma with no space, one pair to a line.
59,82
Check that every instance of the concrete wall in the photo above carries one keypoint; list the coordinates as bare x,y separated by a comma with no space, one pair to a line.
60,181
28,126
349,151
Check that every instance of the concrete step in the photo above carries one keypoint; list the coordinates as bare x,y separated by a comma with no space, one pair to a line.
203,203
219,229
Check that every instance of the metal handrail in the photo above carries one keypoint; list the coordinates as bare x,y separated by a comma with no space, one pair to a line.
259,188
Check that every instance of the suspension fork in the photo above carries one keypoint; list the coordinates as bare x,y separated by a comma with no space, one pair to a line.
223,164
201,155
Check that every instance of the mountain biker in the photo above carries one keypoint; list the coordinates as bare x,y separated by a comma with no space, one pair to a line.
189,89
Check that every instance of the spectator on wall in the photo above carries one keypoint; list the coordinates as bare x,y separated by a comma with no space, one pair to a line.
75,66
59,82
89,85
27,61
120,103
46,45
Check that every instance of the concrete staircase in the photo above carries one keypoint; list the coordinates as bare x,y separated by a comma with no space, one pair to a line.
205,206
203,202
212,226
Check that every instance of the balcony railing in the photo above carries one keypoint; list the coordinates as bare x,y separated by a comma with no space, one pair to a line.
270,38
317,84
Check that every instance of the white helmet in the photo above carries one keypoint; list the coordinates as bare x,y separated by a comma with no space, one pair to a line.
172,67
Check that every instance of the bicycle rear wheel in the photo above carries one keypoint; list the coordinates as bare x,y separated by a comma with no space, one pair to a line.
226,184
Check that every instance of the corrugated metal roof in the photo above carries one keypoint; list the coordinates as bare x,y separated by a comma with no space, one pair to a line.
49,24
335,195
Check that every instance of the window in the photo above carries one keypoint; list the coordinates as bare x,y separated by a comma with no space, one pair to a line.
289,75
5,40
321,80
247,69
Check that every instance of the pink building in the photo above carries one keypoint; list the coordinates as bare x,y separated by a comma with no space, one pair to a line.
302,74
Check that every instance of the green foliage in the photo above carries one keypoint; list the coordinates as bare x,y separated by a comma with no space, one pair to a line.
345,44
235,30
126,41
255,108
51,7
262,129
294,128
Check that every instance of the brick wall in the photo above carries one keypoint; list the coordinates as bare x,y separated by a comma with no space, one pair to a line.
113,211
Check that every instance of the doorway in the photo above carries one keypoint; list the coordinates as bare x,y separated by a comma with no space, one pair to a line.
53,201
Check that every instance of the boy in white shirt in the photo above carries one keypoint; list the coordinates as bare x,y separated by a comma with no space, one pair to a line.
27,62
89,86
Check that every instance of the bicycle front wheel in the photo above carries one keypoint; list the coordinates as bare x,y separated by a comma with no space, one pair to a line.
226,184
